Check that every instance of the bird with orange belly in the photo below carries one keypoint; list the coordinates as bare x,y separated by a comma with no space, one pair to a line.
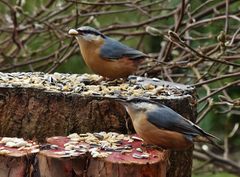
159,125
106,56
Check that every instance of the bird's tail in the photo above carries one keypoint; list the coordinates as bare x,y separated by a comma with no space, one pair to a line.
208,139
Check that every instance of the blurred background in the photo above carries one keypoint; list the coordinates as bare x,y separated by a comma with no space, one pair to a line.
203,50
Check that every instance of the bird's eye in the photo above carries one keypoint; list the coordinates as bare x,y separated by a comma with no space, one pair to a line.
96,33
85,31
92,32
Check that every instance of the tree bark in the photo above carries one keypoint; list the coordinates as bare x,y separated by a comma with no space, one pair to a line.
39,113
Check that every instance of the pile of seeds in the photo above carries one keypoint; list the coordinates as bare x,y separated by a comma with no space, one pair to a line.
99,145
91,85
9,143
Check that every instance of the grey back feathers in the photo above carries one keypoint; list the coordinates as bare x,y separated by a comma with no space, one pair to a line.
113,49
166,118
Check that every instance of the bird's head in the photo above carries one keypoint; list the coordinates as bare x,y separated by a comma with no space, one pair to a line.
139,105
86,33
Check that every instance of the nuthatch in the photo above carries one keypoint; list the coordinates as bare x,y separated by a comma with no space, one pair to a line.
106,56
159,125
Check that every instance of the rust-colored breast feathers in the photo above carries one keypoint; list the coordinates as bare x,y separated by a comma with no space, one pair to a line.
164,138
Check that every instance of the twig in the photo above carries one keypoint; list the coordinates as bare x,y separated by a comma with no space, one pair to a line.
219,90
175,39
216,79
226,164
176,28
226,14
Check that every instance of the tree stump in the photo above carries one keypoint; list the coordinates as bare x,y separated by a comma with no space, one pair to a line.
128,159
16,160
38,105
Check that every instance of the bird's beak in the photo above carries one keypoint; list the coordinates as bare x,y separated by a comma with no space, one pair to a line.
73,32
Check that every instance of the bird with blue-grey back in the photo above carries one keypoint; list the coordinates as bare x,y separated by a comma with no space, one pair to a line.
159,125
106,56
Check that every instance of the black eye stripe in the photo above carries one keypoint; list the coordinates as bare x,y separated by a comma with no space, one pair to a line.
89,32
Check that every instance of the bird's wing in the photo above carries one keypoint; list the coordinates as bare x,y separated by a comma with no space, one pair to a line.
112,49
166,118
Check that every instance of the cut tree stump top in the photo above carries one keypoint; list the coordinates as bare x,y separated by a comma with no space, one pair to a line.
84,85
